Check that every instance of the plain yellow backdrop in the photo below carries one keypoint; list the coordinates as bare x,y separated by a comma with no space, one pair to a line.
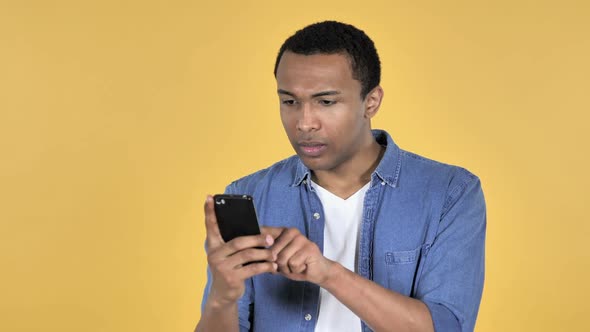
118,117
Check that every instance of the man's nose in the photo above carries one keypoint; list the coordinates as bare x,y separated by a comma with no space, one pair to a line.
308,120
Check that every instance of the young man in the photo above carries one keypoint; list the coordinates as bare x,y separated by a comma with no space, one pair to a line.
358,234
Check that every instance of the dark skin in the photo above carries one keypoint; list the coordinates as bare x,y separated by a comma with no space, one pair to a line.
321,106
328,124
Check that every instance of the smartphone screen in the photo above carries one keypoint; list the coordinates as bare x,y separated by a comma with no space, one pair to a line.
236,216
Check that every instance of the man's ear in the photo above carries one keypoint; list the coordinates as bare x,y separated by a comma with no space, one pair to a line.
373,102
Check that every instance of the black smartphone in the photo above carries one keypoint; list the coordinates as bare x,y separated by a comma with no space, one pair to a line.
236,216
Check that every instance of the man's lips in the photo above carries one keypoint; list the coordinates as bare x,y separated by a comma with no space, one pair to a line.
312,149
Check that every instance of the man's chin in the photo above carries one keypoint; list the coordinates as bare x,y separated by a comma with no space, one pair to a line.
314,163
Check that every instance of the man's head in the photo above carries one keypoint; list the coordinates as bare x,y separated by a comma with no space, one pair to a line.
328,85
330,37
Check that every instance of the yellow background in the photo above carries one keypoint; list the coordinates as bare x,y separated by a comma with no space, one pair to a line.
118,117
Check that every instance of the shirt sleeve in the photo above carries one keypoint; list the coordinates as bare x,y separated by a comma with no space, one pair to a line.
245,303
451,282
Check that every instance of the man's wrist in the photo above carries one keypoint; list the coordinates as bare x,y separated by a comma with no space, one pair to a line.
214,304
335,272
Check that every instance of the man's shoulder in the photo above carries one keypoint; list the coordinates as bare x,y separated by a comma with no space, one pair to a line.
281,173
450,180
421,166
409,167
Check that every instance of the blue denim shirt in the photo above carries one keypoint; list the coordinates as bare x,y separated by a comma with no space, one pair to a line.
422,235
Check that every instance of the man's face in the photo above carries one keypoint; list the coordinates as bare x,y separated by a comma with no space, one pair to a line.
321,109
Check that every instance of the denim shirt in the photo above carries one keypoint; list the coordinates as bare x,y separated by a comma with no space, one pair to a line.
422,235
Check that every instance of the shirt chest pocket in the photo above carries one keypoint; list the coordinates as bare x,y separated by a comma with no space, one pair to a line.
401,270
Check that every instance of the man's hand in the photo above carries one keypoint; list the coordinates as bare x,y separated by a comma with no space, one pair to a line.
298,258
226,260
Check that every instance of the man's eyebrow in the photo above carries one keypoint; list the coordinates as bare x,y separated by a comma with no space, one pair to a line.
315,95
285,92
326,93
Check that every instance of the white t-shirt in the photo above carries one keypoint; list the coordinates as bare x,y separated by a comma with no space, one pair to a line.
342,219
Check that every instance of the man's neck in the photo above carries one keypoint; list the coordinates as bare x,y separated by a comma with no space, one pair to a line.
347,180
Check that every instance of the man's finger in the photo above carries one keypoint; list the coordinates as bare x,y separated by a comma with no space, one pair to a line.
285,255
284,239
250,255
245,242
275,232
214,238
297,262
253,269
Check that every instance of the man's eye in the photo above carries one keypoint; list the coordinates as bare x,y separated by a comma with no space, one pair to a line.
288,102
326,102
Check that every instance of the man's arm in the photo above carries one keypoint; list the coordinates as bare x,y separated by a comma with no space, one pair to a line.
228,272
451,281
217,317
450,285
383,310
380,308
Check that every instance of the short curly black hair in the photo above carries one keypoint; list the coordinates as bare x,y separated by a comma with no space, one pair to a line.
331,37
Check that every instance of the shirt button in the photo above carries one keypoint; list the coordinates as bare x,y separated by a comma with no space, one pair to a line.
308,317
383,183
304,181
316,216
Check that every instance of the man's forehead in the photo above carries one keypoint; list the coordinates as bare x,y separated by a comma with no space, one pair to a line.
312,74
313,95
291,60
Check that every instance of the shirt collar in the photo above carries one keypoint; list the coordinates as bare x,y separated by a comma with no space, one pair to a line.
387,172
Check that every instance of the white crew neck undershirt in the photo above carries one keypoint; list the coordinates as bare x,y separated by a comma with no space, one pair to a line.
342,219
